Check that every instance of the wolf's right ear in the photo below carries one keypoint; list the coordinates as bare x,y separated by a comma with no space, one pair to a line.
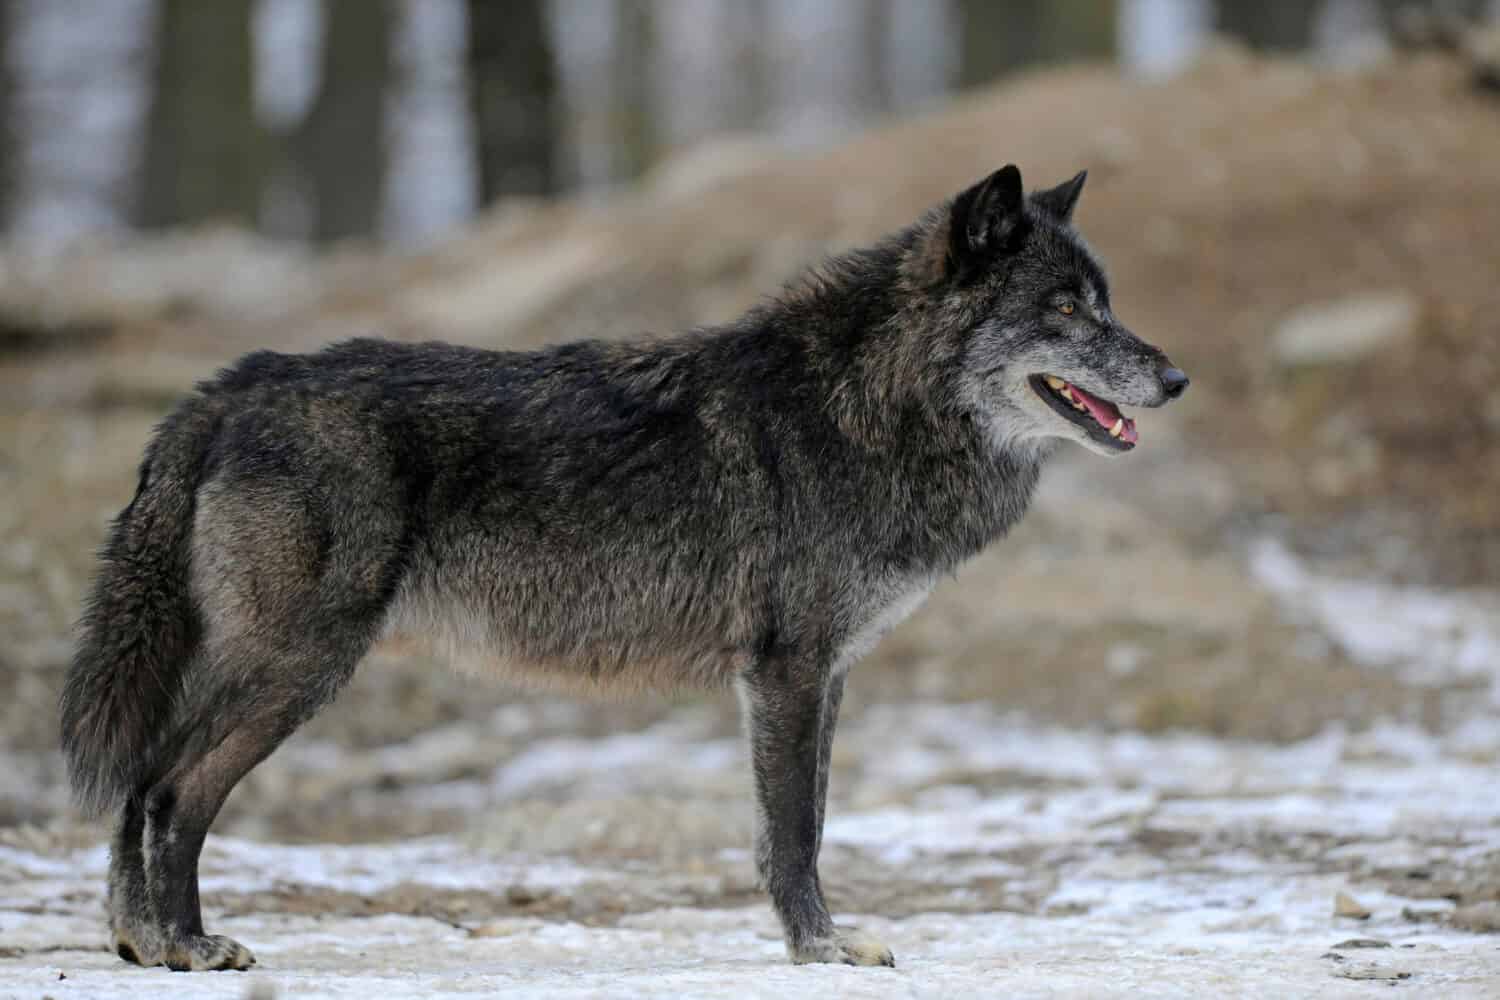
1061,200
985,218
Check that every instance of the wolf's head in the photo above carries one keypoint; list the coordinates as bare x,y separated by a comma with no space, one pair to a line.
1043,355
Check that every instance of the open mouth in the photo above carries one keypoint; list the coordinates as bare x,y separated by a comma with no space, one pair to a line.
1100,418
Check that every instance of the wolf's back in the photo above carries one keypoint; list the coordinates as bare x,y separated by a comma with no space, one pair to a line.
139,626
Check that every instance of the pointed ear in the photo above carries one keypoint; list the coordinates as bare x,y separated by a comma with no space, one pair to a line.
986,217
1060,201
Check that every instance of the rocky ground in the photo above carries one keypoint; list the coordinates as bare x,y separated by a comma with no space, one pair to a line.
1141,745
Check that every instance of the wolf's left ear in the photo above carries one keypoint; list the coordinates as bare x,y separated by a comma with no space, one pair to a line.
1061,200
985,217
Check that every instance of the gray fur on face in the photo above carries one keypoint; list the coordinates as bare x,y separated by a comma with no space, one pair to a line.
752,506
1025,332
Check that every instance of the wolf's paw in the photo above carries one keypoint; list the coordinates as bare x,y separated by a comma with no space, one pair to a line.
137,943
850,947
128,949
205,952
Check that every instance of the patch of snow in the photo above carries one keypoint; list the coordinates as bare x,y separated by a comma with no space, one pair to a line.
243,865
567,761
1431,636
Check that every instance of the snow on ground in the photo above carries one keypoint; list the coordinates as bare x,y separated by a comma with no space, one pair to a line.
1431,636
995,857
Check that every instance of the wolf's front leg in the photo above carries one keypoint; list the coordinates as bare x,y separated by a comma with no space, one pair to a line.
833,696
791,708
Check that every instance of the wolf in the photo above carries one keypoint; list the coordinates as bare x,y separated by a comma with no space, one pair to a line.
749,506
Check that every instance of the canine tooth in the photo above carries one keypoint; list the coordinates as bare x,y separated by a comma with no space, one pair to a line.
1119,427
1078,406
1055,382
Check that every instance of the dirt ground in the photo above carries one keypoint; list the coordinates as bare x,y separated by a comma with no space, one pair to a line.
1139,745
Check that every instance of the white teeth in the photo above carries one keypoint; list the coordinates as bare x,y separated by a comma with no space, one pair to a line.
1077,405
1118,428
1055,382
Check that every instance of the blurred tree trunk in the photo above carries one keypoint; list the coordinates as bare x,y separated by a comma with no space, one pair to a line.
512,94
1276,25
203,148
632,107
1081,29
998,38
995,38
747,23
876,86
9,147
340,145
1422,23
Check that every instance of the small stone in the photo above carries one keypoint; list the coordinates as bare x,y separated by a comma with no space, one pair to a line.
1429,888
1345,905
1422,916
497,929
1361,943
1481,47
1369,970
1481,917
520,895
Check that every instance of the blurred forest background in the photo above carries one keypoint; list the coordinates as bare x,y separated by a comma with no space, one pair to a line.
324,120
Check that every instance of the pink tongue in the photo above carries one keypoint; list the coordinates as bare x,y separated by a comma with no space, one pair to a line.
1105,413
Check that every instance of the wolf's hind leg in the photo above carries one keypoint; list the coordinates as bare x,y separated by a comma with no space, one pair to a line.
132,927
266,691
291,595
179,811
791,707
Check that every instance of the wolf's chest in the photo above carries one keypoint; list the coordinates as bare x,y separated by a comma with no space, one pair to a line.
888,607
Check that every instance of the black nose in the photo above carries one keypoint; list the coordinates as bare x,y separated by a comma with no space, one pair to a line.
1173,381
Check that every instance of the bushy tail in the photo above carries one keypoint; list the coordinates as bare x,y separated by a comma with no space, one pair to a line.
139,626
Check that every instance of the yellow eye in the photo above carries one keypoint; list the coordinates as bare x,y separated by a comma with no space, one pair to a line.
1066,308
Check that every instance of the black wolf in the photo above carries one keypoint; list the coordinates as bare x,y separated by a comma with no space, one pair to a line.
752,505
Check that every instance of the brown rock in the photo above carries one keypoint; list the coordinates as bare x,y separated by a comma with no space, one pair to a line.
1481,917
1371,971
1361,943
1422,916
1345,905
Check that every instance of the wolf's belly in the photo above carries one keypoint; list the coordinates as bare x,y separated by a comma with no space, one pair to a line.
579,639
